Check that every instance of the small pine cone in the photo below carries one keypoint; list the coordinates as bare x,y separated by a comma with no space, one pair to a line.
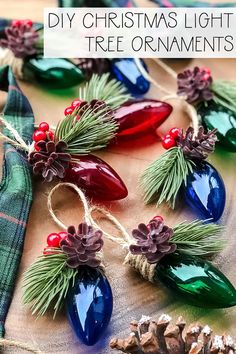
153,241
90,66
195,85
162,337
96,106
51,161
21,40
197,147
81,246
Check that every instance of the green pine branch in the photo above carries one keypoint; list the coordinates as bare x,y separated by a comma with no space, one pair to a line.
225,93
93,131
104,89
46,283
198,239
162,180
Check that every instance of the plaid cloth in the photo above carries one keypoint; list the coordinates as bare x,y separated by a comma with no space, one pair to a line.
15,191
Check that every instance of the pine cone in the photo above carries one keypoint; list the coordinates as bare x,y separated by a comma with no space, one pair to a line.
96,106
148,336
153,241
91,66
197,147
81,246
195,85
51,161
20,40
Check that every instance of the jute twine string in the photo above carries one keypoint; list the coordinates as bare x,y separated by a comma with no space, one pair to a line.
18,142
19,345
137,262
8,58
169,95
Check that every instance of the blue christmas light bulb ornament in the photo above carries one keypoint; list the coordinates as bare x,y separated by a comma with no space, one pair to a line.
89,305
127,71
205,192
183,167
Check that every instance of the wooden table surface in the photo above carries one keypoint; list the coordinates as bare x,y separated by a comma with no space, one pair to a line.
133,297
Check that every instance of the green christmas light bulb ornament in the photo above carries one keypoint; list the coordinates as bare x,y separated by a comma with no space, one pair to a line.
176,258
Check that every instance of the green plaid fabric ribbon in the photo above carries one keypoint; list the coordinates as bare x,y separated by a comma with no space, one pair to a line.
15,190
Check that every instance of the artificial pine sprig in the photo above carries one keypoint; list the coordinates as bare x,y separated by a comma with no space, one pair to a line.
101,88
162,180
197,86
87,130
48,279
225,94
92,131
47,282
157,240
197,238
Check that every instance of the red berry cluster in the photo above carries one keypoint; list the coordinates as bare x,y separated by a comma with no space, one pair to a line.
42,133
19,23
53,241
169,140
74,104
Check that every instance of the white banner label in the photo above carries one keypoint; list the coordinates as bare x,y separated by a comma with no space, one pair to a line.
140,32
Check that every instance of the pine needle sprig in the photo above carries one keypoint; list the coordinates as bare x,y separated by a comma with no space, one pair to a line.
162,180
93,131
46,283
104,89
198,238
225,93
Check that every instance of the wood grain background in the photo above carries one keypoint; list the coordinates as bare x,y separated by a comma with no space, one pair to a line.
133,296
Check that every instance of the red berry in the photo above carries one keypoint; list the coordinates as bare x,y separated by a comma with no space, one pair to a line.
50,135
76,103
44,126
158,217
207,70
77,117
28,23
63,234
39,135
68,110
174,132
207,73
168,142
16,23
53,240
37,148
